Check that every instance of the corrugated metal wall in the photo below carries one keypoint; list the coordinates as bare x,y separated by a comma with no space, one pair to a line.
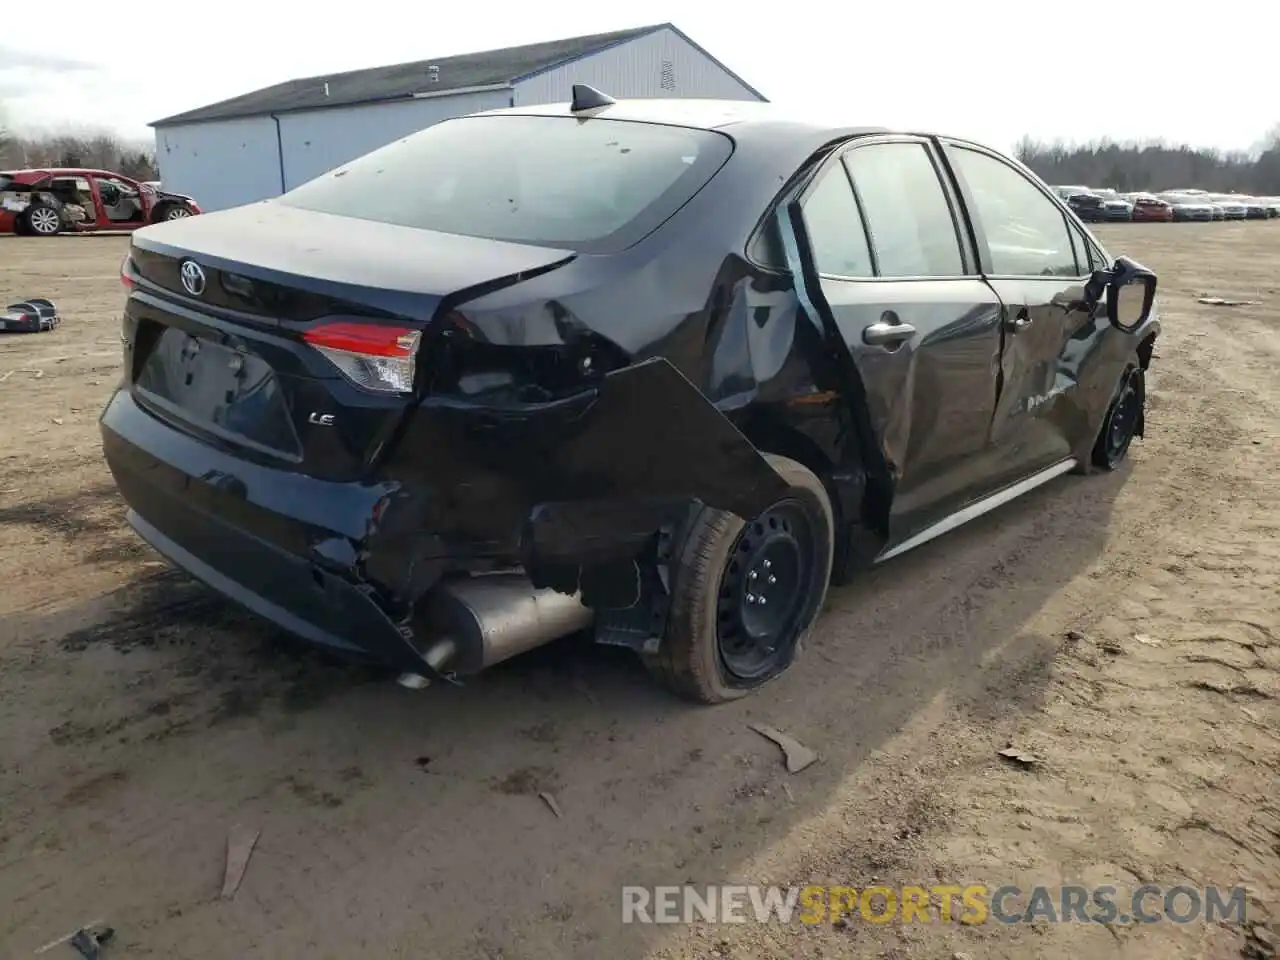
231,162
221,164
317,141
662,64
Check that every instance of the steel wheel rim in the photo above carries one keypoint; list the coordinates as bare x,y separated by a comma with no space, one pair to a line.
765,591
1124,418
43,221
177,213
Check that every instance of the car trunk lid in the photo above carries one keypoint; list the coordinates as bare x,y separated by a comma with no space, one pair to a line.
263,329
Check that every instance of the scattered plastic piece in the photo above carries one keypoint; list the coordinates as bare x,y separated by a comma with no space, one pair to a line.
1224,302
1019,758
86,941
550,801
798,756
240,844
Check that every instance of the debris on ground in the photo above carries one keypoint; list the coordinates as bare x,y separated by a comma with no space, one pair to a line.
30,316
35,374
87,941
1019,758
798,756
240,844
1147,640
1225,302
550,801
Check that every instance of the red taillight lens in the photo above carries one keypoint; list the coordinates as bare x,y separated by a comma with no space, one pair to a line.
126,274
372,356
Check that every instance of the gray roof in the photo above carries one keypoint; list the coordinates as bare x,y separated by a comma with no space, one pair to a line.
402,81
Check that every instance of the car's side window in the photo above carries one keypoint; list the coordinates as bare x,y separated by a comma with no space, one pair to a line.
1087,259
835,227
1026,232
912,229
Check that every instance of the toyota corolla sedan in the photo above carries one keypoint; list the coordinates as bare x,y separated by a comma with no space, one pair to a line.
660,369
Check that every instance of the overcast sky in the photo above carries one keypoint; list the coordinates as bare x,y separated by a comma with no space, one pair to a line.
988,69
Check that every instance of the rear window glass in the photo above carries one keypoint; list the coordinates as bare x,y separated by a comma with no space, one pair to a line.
5,180
588,185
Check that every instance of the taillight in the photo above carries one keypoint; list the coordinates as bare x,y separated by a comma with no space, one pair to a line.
372,356
126,274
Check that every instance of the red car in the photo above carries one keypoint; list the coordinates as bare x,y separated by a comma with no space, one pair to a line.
1152,209
44,203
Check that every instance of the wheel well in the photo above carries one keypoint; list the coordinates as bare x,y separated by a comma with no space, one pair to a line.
786,441
846,486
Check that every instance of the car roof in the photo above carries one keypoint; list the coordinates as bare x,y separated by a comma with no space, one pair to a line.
745,116
39,173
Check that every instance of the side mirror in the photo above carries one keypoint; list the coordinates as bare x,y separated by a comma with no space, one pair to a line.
1131,293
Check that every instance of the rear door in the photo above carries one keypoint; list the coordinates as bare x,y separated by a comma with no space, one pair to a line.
1039,263
876,246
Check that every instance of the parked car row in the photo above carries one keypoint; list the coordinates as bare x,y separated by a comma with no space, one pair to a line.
1100,205
47,202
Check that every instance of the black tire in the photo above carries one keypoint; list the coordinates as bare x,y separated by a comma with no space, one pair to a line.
695,658
42,220
1122,422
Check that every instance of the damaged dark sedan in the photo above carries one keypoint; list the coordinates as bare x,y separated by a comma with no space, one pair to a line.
661,370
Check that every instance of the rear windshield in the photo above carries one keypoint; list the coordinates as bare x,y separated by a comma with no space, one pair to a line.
590,185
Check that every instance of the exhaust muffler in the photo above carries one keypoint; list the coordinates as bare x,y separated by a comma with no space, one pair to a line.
482,620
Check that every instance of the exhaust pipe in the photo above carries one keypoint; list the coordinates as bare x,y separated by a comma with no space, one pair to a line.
486,619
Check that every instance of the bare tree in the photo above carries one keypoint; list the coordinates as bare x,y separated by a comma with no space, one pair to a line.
1157,166
10,153
96,150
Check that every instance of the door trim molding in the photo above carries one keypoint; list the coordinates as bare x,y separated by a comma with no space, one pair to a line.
979,507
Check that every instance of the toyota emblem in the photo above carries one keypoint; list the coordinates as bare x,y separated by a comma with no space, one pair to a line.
193,279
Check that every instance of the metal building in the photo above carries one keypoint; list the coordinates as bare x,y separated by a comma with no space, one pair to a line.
260,144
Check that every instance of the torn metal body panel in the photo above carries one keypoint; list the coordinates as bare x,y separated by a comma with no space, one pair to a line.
440,448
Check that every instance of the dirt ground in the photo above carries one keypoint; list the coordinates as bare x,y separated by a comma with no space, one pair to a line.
1124,629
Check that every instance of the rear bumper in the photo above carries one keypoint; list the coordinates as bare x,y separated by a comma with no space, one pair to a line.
572,491
276,543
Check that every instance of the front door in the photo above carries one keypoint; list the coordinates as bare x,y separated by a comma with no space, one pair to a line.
881,260
1030,257
122,203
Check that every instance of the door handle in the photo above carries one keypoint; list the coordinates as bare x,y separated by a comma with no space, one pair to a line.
1021,321
886,334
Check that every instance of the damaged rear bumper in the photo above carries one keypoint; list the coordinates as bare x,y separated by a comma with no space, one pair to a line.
469,488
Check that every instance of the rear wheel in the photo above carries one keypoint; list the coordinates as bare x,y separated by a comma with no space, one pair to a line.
746,594
1121,423
42,220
